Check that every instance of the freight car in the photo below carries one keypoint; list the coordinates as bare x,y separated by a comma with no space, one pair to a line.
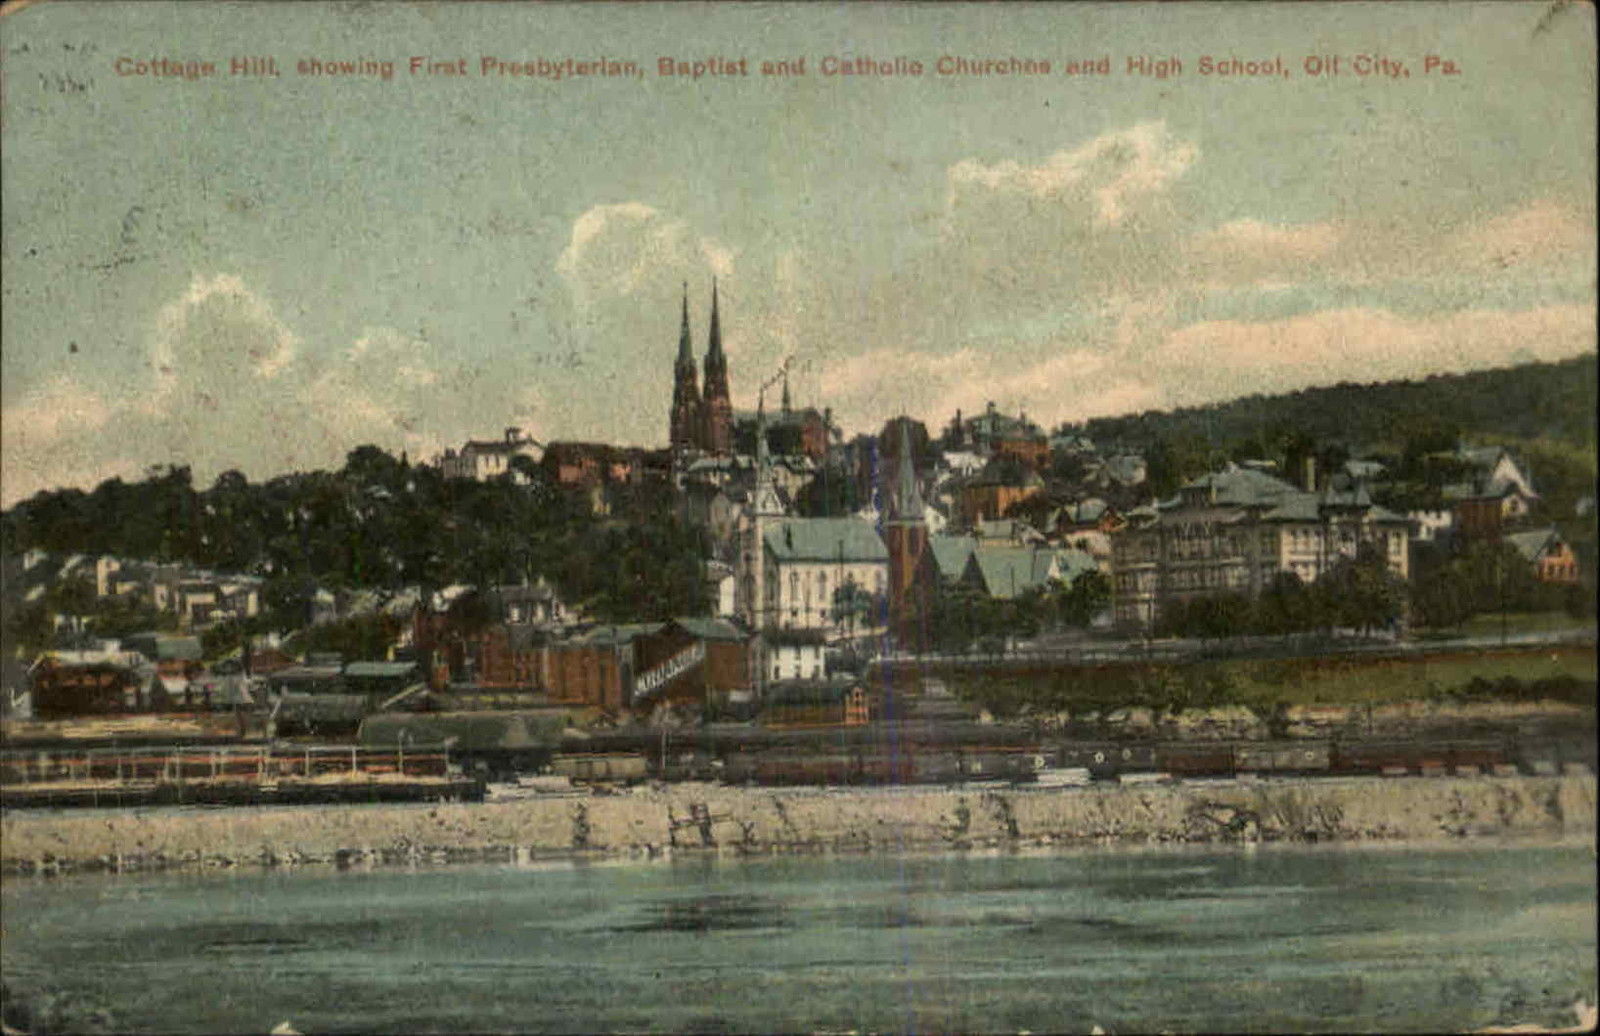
867,765
602,768
1203,759
492,745
1282,757
1107,760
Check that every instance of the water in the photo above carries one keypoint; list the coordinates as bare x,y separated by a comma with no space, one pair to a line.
1275,939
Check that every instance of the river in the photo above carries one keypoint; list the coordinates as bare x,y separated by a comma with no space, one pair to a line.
1383,937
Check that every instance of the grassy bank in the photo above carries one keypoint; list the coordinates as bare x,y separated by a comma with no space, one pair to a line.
766,821
1562,673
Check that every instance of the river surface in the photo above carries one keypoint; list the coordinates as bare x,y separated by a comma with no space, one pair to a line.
1373,938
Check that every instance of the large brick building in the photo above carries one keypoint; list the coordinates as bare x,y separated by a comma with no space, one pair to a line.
1233,531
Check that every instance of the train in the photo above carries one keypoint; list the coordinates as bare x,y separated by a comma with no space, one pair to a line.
1332,757
868,763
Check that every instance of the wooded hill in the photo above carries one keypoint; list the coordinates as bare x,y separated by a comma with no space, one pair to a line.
1534,401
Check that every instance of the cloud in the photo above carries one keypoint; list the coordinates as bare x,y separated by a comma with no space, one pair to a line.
1106,175
1063,386
1221,359
1537,233
220,329
56,435
1204,362
616,250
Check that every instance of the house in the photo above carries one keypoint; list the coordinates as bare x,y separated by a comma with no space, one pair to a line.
1005,573
1006,532
992,494
1497,492
993,434
695,661
484,459
795,655
176,659
596,668
1233,531
1552,558
950,555
841,702
66,684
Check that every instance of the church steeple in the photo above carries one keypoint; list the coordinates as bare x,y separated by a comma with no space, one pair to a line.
911,574
905,503
685,349
717,412
685,418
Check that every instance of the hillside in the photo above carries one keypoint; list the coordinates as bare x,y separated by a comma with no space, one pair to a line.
1537,401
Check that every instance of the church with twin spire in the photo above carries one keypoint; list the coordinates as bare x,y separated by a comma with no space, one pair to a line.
701,423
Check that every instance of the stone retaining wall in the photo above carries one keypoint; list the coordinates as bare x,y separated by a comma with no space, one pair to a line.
712,817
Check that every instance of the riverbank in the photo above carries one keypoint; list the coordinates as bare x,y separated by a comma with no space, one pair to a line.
650,822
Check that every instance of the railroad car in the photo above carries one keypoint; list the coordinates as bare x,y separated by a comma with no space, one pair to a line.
1106,760
1374,757
1485,755
1282,757
602,767
1196,760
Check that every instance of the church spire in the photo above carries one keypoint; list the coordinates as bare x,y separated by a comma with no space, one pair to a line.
685,349
685,425
718,408
906,503
716,362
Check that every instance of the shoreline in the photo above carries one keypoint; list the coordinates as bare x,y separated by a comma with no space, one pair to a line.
698,819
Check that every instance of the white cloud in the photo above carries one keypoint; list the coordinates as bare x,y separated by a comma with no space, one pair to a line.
1220,359
55,435
615,250
1108,174
1204,362
1539,232
220,328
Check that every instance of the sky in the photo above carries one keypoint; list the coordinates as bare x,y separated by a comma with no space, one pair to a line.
261,273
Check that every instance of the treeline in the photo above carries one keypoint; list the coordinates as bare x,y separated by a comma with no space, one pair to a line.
380,523
1545,411
960,619
1554,400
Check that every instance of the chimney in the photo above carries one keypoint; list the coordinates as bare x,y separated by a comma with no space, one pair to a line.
513,434
1308,473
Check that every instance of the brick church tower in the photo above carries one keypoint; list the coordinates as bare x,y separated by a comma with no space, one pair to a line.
905,534
685,420
716,412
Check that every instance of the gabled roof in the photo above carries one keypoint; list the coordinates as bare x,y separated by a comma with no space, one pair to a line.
1006,572
710,629
950,554
1533,544
825,539
1238,487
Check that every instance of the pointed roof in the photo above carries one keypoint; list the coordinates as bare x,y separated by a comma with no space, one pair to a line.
906,504
685,349
716,362
825,539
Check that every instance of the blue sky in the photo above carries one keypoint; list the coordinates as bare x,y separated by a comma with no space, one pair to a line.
261,274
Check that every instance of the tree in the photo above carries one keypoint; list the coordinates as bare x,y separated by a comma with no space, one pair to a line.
1361,593
853,606
1088,595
